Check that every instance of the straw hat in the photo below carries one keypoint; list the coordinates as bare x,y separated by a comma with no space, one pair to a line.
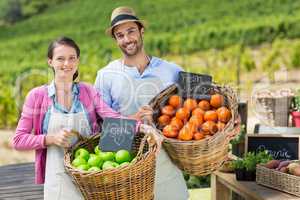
122,15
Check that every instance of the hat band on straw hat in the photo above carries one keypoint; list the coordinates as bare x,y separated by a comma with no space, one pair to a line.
123,17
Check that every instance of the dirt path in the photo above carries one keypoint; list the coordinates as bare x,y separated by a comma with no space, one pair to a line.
8,155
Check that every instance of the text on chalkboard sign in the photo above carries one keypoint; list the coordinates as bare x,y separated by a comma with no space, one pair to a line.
117,134
195,85
281,147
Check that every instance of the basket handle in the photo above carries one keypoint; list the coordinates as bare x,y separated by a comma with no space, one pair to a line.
286,92
151,136
77,134
236,128
158,98
80,139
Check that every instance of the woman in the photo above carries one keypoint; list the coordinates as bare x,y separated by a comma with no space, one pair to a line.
52,111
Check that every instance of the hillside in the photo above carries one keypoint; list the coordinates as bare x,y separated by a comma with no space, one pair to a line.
175,29
180,26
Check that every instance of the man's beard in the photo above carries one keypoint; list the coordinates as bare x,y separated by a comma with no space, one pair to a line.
138,47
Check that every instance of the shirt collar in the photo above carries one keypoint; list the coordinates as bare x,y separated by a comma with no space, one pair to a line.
51,89
154,62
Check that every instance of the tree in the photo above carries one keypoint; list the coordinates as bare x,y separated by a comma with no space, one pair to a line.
11,11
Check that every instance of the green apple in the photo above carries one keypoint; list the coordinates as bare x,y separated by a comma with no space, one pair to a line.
107,156
92,155
124,164
123,156
83,167
82,152
95,160
97,150
78,161
115,164
108,165
94,169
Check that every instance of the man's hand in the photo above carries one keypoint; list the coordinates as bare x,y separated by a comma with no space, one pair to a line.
155,137
145,114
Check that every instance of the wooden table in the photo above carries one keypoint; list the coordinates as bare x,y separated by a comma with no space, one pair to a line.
17,183
223,183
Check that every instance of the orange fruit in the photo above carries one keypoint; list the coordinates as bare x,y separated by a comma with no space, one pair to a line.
176,123
224,115
190,104
170,132
216,100
198,136
210,115
204,133
183,114
209,126
220,125
168,110
185,134
195,120
192,127
175,101
204,105
164,120
198,112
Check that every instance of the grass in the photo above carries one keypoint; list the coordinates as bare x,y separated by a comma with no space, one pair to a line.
200,194
174,28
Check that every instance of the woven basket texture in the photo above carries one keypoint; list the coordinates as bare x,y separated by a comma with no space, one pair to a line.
134,181
199,157
278,180
275,110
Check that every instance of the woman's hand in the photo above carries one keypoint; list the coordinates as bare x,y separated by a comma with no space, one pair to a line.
145,114
61,139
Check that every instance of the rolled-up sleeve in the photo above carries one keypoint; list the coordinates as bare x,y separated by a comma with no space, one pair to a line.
23,138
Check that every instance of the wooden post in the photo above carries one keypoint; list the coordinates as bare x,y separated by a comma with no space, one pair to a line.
218,190
239,149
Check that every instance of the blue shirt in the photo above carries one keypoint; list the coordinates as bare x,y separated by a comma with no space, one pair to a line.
110,79
75,108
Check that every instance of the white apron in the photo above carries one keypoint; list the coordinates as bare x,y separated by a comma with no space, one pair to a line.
169,181
58,185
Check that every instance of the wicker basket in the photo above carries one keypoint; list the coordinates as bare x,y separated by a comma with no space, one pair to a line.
278,180
134,181
199,157
273,110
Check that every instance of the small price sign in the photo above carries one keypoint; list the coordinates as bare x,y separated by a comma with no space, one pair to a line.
195,85
117,134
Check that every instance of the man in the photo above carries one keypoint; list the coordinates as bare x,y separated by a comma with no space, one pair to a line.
129,83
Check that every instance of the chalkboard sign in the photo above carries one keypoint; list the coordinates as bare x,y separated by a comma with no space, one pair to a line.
279,146
195,85
117,134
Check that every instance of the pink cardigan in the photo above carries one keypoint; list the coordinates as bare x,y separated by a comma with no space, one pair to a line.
34,110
